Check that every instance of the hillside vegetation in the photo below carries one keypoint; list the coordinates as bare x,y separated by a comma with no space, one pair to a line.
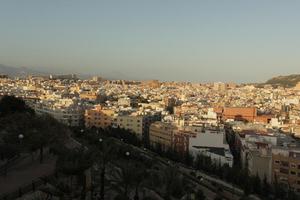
285,81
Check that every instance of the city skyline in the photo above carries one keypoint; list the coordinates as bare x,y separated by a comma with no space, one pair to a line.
195,41
156,100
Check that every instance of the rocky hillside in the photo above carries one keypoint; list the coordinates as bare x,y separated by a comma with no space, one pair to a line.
285,81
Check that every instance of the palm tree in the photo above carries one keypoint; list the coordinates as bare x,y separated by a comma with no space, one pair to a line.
138,178
199,195
173,182
74,163
166,181
56,188
104,157
122,179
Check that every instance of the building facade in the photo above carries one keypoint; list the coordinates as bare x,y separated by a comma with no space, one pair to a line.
98,117
286,168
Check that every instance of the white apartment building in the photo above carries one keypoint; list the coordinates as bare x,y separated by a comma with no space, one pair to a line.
71,115
211,143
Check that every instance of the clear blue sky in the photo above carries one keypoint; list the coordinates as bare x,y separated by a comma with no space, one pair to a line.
210,40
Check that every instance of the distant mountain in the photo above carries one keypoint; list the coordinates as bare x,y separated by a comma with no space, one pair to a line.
25,71
285,81
19,71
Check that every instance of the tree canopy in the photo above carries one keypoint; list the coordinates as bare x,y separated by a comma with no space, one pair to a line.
11,104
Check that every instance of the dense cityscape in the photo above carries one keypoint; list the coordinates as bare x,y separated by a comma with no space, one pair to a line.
209,132
149,100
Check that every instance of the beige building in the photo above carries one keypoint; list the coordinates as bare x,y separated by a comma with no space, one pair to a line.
99,117
91,96
286,167
218,86
161,133
260,163
169,136
133,123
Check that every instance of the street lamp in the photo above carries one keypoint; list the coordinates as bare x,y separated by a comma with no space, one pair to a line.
127,153
101,144
20,136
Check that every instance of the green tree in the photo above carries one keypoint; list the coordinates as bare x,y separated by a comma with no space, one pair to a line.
7,152
257,188
105,154
123,179
172,182
10,105
279,189
199,195
56,188
45,132
266,188
74,162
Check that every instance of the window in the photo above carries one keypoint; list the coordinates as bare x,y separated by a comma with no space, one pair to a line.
281,178
284,171
293,173
293,165
285,163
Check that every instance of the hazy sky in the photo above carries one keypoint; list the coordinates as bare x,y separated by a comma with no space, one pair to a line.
219,40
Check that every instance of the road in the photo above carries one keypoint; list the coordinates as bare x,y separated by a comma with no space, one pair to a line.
208,184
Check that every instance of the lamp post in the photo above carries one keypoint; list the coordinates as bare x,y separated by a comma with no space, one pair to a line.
21,137
101,142
103,166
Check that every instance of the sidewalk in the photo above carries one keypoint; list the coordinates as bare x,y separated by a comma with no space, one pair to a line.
25,172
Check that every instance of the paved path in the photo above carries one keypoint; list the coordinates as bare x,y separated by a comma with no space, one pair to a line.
25,172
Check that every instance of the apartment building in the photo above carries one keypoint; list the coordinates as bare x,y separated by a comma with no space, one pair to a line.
70,116
211,143
219,86
286,167
161,133
180,141
99,117
133,123
169,136
90,96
